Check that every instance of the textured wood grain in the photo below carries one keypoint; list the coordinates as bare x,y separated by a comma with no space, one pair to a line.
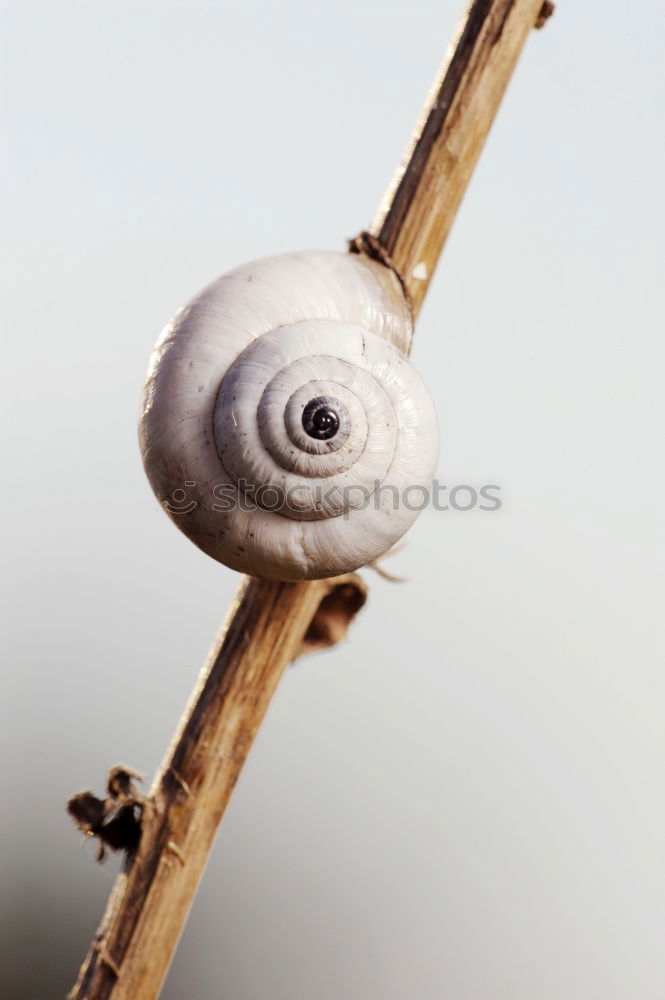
419,208
270,623
267,627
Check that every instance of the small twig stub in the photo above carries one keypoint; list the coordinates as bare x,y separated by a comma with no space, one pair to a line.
115,820
544,13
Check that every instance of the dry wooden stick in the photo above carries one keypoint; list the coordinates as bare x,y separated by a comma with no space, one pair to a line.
267,628
270,623
417,213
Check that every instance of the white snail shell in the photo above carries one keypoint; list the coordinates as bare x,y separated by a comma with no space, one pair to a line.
281,426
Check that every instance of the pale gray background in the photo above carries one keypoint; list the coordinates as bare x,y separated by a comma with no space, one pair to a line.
466,800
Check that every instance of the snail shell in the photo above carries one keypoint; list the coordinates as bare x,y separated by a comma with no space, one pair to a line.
281,425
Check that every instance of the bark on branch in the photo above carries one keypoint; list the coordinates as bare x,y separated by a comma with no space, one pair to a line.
267,628
419,208
272,623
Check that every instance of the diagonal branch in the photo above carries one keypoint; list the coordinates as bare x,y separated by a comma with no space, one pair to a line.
267,628
271,623
419,208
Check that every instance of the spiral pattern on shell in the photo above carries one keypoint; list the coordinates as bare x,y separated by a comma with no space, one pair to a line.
281,427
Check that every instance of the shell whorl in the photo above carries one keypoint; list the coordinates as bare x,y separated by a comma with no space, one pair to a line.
280,420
